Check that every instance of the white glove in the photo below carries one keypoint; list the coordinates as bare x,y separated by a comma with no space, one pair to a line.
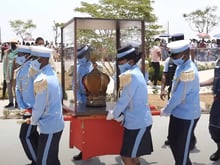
163,113
110,115
120,118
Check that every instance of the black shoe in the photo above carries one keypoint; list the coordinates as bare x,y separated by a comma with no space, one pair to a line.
167,143
9,105
193,143
192,146
16,105
215,156
78,157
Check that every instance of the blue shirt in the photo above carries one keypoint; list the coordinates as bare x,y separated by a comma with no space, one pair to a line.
185,100
82,70
24,87
47,110
133,102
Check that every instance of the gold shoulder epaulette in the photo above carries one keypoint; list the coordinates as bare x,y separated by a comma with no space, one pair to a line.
124,79
40,85
187,76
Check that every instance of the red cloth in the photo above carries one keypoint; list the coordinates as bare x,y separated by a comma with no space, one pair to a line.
27,112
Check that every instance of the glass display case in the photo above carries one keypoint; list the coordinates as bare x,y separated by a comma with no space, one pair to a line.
102,37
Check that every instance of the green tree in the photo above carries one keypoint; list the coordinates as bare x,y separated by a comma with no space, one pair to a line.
56,27
22,28
124,9
203,20
138,9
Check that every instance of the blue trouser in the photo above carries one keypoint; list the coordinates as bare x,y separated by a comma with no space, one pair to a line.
214,120
48,149
29,138
156,66
180,135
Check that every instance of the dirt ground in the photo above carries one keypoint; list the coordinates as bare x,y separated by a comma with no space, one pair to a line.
154,99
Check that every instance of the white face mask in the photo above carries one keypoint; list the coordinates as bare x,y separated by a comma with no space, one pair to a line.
35,67
179,61
124,67
20,60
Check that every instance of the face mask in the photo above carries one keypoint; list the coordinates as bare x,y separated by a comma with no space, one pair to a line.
35,67
124,67
82,60
20,60
178,61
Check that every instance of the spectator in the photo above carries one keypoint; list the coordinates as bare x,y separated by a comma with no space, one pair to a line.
164,51
8,70
167,77
202,50
155,56
39,41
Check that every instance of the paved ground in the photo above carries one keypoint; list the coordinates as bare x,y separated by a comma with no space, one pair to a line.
11,152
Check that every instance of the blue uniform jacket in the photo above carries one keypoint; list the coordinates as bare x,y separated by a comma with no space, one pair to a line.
133,102
82,70
47,110
24,87
185,101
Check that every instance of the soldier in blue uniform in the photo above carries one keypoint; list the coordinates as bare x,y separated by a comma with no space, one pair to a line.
47,109
132,108
25,100
184,103
84,66
167,77
169,70
214,119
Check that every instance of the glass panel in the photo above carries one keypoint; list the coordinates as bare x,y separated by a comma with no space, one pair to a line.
68,60
68,41
96,75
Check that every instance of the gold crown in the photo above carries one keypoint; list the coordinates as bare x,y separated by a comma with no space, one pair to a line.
96,84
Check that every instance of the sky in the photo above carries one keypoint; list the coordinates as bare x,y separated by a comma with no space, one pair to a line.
44,12
170,14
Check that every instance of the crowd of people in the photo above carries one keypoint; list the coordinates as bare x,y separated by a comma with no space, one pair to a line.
56,47
201,50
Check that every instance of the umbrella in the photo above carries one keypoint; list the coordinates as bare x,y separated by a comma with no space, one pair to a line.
203,35
217,36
